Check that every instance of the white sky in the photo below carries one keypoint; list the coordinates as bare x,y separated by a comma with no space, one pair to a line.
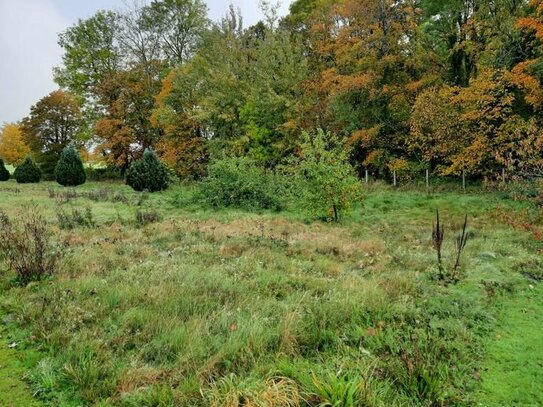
29,50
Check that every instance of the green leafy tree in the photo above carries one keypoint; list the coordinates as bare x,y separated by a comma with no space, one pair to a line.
241,92
148,174
28,172
180,25
4,173
325,182
69,170
54,122
91,53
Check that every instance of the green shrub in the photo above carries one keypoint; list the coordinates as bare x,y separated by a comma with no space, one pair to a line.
4,173
69,170
325,183
239,182
76,219
148,174
103,174
28,172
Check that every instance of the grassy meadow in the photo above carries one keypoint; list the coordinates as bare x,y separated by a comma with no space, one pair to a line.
159,302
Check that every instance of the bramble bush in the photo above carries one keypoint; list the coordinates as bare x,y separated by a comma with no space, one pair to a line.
69,170
240,183
148,174
28,172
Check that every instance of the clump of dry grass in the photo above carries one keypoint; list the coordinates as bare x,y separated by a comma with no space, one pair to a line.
232,391
26,244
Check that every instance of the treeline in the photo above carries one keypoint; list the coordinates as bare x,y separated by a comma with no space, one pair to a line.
408,85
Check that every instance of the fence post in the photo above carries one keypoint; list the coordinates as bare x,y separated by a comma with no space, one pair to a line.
427,180
503,175
464,180
395,179
367,176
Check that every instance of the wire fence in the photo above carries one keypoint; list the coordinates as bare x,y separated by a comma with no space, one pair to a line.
429,180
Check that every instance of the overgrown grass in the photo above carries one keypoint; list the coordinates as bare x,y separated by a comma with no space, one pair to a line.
227,308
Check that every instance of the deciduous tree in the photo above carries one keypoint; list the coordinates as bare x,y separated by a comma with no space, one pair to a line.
125,129
54,122
13,148
180,25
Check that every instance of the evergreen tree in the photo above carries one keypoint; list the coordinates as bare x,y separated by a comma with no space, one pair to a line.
69,170
28,172
148,174
4,173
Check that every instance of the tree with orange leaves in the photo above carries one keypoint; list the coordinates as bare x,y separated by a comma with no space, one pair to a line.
371,68
183,146
128,98
480,129
13,148
528,74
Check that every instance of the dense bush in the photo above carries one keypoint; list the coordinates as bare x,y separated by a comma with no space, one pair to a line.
148,174
28,172
4,173
69,170
325,183
103,174
27,247
240,182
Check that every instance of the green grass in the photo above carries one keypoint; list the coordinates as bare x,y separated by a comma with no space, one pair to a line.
14,392
229,308
514,361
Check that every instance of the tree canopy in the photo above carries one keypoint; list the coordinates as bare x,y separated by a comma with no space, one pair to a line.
54,122
447,85
13,148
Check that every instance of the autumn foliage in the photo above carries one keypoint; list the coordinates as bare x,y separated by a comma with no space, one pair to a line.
445,85
54,122
13,148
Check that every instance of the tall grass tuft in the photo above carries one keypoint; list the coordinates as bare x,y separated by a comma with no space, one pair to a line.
26,244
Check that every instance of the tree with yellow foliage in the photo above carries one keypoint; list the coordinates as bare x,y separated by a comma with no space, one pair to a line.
480,129
13,148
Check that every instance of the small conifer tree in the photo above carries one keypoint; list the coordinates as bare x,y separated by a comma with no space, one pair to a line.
4,173
28,172
69,170
148,174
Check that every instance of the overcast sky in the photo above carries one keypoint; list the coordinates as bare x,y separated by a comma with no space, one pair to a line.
29,50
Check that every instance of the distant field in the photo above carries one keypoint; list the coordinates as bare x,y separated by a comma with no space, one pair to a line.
231,308
10,168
